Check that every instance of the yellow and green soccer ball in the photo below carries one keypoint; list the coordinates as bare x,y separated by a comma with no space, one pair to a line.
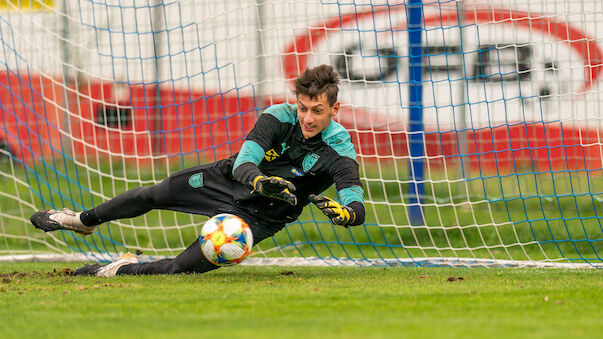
226,240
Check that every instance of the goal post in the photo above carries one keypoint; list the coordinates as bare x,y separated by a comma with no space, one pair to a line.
477,124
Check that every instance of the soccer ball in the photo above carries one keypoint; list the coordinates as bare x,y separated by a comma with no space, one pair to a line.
226,240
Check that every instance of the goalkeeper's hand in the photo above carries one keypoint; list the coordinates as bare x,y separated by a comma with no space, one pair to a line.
275,187
339,214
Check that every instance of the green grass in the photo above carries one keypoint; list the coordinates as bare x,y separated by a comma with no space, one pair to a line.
293,302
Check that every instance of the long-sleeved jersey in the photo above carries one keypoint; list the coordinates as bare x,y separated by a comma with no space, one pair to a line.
277,147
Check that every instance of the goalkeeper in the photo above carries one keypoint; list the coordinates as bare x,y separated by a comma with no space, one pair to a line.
292,154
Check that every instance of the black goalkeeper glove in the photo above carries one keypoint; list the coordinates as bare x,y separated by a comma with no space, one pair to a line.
339,214
276,188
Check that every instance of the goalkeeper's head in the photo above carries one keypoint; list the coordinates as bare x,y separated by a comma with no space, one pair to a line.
316,90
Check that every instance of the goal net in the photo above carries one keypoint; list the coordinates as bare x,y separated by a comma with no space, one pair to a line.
477,124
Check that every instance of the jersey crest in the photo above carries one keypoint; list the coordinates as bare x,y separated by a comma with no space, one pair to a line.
196,180
309,161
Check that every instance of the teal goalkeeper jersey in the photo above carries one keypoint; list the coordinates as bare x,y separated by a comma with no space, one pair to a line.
277,147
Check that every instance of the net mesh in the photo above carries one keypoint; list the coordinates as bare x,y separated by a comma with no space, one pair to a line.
477,123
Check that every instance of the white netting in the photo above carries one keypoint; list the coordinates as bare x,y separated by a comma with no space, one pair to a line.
499,160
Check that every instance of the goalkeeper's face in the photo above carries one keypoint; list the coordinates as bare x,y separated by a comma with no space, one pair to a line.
314,114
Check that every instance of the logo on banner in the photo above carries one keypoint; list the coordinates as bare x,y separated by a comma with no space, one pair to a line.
508,53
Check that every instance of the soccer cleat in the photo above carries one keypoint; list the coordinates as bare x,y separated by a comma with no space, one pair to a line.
52,220
88,269
109,270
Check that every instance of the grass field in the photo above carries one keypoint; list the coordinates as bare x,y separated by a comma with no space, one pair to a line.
40,300
520,216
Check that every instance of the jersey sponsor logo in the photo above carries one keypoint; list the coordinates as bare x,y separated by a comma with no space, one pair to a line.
196,180
309,161
271,155
297,172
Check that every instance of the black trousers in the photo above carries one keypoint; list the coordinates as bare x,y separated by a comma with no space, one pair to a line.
191,260
204,190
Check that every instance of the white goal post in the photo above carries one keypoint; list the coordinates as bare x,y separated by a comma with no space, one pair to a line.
477,124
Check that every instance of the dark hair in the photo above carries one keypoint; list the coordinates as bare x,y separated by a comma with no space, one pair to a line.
316,81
